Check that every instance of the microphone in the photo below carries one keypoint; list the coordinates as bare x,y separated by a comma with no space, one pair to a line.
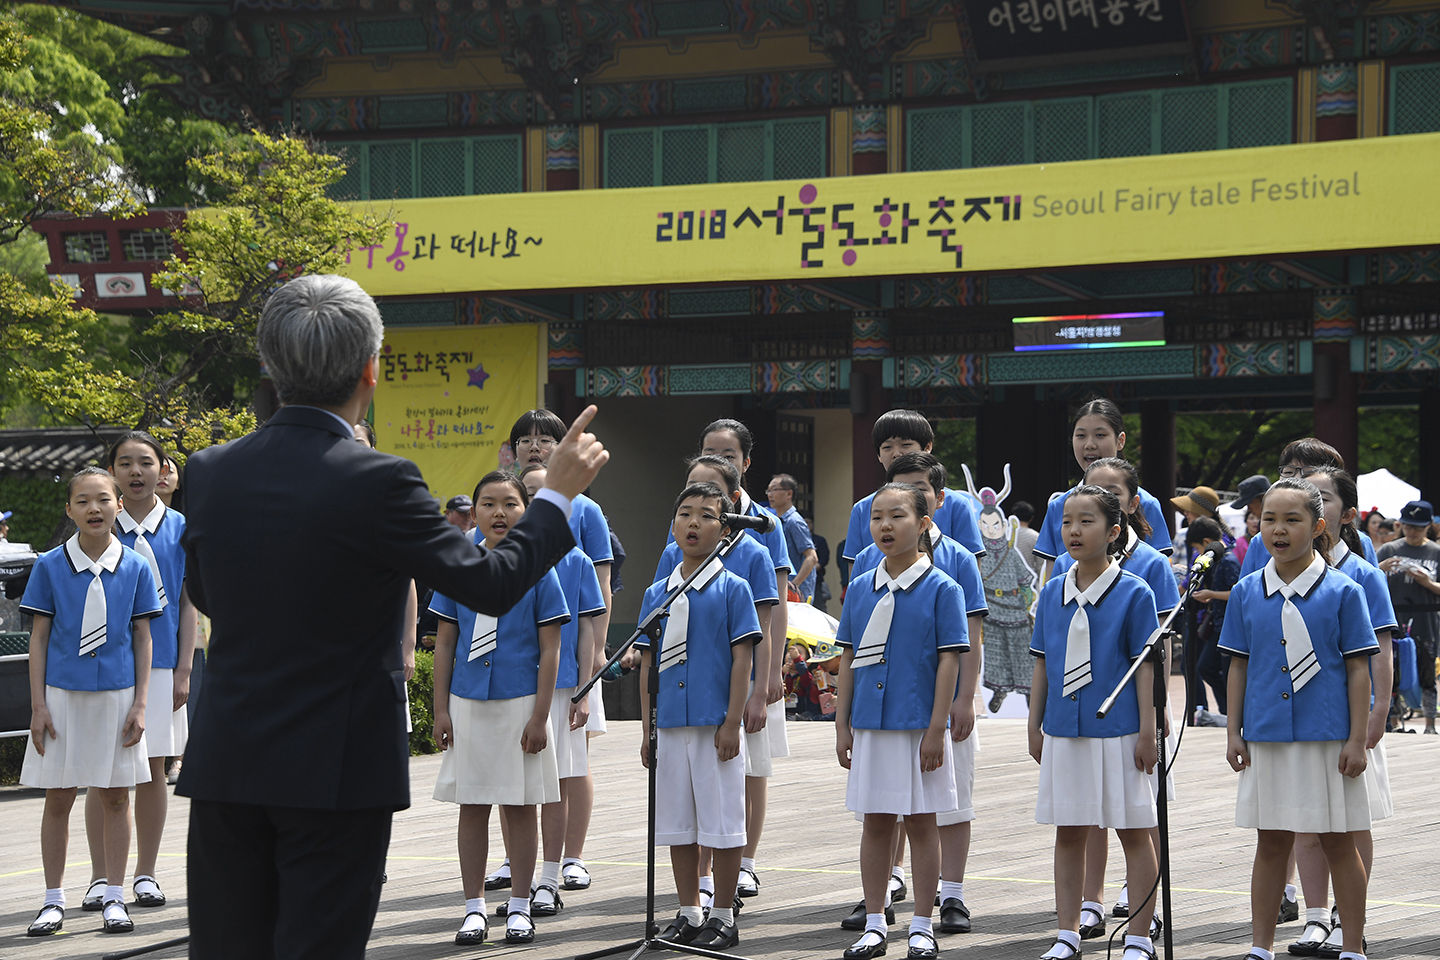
739,521
1208,556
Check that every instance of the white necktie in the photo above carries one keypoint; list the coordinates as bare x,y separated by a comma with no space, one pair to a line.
877,629
1077,640
93,620
484,637
677,625
149,525
1300,660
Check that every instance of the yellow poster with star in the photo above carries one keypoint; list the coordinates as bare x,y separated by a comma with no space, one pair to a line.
448,396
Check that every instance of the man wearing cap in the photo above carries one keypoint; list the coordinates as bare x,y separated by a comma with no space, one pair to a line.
1412,567
5,525
1250,495
457,513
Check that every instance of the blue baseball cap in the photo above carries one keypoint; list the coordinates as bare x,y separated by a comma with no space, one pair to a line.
6,515
1417,513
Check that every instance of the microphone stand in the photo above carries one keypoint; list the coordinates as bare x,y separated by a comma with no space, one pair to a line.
1154,652
653,627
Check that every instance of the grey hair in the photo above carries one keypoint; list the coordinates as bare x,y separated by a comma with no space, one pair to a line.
316,333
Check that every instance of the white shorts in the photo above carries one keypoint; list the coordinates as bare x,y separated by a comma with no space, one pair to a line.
698,799
963,755
758,756
1093,781
595,726
485,765
86,751
1299,787
775,729
166,730
1377,783
571,760
885,775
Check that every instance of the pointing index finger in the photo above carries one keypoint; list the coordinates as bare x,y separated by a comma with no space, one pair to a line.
581,422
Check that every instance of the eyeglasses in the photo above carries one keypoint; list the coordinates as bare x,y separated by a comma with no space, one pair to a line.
544,443
1290,473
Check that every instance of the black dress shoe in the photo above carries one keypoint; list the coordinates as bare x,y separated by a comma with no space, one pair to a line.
45,928
856,919
899,893
716,935
954,916
525,934
118,924
94,896
871,944
146,898
681,930
476,935
1308,945
546,909
928,952
1089,931
1289,910
497,883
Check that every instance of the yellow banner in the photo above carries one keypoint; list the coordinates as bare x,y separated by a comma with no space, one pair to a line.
449,395
1267,201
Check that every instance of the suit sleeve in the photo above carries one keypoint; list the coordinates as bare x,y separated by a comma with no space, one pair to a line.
424,546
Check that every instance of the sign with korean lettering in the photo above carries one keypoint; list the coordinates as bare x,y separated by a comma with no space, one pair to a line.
1020,29
1264,201
448,395
1090,331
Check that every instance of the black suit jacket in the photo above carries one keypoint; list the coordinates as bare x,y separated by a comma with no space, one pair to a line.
300,543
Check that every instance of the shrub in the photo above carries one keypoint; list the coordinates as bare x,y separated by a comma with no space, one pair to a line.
422,705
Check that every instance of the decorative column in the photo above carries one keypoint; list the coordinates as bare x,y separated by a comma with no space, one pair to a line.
868,140
562,157
1337,416
1157,468
1336,101
870,345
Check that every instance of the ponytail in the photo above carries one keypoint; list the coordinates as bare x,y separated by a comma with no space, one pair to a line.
1349,496
1135,521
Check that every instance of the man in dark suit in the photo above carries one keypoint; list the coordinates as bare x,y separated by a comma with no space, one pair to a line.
300,546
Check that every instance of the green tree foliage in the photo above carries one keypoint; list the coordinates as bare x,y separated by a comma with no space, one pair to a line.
1219,450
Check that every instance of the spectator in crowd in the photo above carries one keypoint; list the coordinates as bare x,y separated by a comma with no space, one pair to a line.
781,493
822,557
457,513
814,682
1025,537
1247,498
1413,568
1212,664
5,525
1370,523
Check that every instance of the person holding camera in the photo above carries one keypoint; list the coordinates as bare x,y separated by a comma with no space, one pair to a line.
1413,568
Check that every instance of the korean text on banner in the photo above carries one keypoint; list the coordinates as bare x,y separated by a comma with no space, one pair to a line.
1266,201
448,395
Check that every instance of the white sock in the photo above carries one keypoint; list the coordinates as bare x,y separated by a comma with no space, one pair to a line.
951,891
1289,891
876,922
569,860
1318,914
695,915
503,870
114,893
518,905
898,873
723,914
1144,943
55,898
1093,906
747,863
922,925
1068,937
474,914
1262,953
707,885
550,872
1124,898
1352,956
114,910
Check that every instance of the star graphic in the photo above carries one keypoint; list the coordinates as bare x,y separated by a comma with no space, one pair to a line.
478,376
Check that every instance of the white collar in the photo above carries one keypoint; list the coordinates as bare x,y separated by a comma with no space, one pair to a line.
907,577
1339,553
745,501
1097,590
699,583
1131,539
936,534
149,524
80,563
1302,585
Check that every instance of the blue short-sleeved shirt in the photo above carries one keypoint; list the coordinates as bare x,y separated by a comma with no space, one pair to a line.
1120,623
1337,618
748,559
1258,554
955,517
57,589
1372,582
581,589
512,669
696,691
898,693
590,530
1049,546
773,542
1147,564
170,558
952,557
797,541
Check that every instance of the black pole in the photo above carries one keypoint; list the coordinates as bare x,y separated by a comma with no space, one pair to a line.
1162,804
141,951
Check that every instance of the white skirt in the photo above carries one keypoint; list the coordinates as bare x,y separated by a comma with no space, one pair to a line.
1299,787
485,765
166,730
87,751
963,755
885,775
595,726
1093,781
571,759
1377,783
775,729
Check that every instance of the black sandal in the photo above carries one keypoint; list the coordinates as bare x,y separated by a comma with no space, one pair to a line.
49,927
145,898
519,936
120,924
467,938
94,895
1074,951
1089,931
546,909
861,950
922,953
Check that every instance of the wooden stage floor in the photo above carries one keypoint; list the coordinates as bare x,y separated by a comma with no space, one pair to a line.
808,864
